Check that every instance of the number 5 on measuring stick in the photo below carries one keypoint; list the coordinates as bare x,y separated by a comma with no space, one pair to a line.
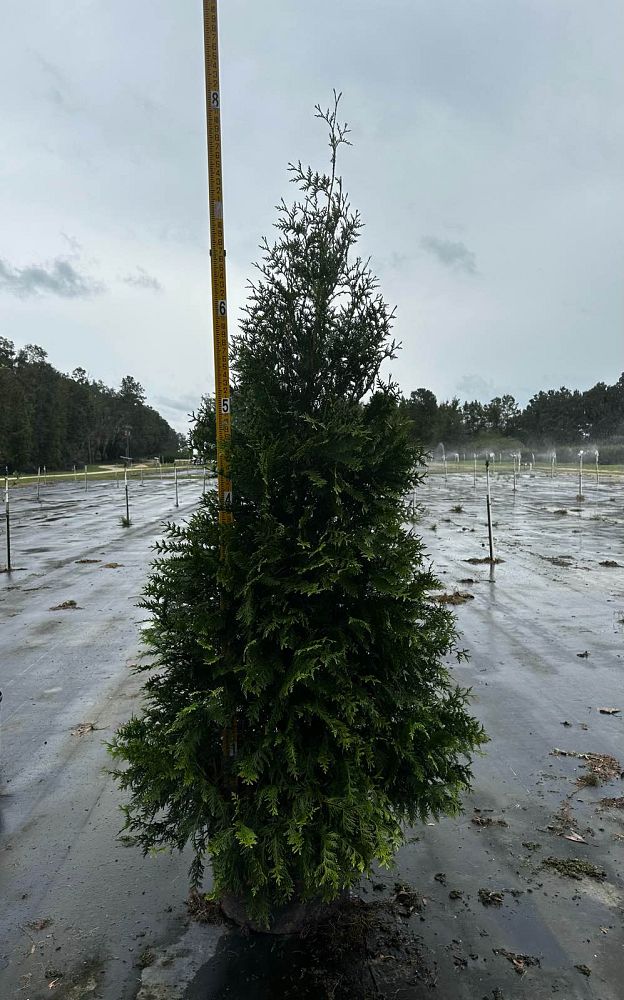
225,404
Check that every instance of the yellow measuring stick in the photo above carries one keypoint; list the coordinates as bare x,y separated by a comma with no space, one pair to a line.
217,259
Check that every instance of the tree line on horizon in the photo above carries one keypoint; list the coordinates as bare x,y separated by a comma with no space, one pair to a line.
55,420
551,418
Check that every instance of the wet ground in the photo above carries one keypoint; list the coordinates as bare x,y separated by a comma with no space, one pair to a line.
520,897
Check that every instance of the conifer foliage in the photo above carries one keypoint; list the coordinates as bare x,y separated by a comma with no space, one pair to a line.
299,712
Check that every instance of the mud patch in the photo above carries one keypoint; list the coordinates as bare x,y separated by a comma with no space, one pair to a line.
66,606
357,950
565,562
485,560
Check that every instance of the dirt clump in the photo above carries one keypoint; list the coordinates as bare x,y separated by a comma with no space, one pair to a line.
204,910
488,821
610,564
82,729
457,597
486,559
614,803
66,606
519,962
84,562
600,766
407,899
112,565
490,898
575,868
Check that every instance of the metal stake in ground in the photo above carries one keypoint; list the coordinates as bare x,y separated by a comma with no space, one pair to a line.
175,476
8,522
474,470
580,492
38,482
127,499
85,479
489,510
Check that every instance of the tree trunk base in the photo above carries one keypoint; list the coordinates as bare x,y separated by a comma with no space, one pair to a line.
288,919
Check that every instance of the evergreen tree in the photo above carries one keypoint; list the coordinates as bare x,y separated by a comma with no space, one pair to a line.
299,712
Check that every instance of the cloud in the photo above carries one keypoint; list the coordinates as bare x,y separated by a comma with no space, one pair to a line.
454,255
476,387
181,404
56,278
143,280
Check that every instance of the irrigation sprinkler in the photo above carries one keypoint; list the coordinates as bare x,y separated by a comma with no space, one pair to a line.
597,474
445,470
552,466
45,476
489,511
474,469
141,477
85,475
175,476
75,474
7,515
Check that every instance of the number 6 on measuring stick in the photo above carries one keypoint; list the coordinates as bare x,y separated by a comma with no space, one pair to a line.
222,308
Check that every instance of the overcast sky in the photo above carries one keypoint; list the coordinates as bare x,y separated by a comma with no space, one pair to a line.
487,165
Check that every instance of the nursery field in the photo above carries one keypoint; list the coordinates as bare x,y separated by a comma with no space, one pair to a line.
521,896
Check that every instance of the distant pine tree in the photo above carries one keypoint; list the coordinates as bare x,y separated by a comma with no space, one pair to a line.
299,712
